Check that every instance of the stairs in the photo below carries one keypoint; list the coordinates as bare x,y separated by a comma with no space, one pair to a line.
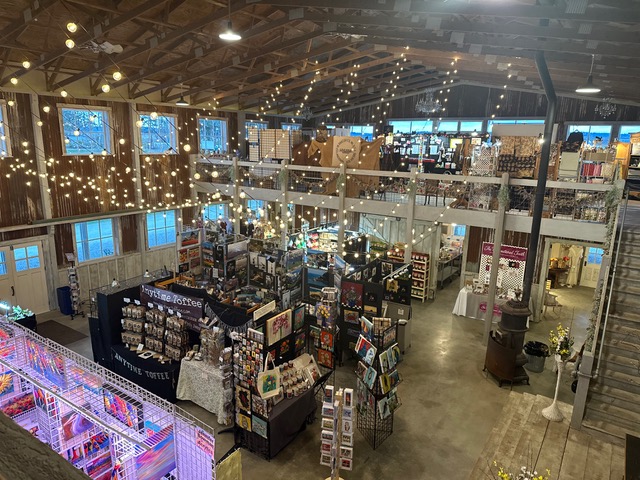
613,405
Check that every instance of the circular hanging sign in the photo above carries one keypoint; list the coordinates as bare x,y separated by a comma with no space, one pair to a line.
347,149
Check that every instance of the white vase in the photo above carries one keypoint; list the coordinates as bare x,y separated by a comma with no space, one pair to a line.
552,412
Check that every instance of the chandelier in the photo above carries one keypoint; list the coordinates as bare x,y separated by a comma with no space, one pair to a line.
306,113
606,108
428,104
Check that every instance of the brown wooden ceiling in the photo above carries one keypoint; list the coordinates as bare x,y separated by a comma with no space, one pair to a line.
172,46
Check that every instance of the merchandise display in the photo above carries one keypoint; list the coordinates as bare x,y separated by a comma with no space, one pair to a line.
377,378
97,421
336,450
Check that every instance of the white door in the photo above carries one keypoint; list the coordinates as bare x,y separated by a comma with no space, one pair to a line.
591,267
29,282
6,278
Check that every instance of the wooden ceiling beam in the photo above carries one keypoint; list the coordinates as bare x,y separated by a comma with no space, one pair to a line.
101,7
197,53
27,16
444,7
153,42
86,36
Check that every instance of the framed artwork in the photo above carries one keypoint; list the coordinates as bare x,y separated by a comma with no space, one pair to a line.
348,397
347,439
243,398
326,340
298,318
301,341
285,347
243,421
325,358
351,316
279,327
259,426
366,350
95,444
327,423
73,424
351,294
160,459
100,466
371,309
346,463
123,408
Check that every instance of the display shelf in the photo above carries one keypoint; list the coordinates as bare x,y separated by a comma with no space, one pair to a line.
420,275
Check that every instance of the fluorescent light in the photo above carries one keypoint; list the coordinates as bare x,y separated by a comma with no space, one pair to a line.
588,87
182,102
229,35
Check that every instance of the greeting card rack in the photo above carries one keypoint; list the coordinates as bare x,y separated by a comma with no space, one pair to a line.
336,448
74,286
377,380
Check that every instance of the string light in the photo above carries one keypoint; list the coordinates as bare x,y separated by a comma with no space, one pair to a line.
117,76
26,64
69,43
106,88
72,27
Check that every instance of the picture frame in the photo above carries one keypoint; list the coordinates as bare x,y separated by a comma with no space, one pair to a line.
327,423
347,439
346,463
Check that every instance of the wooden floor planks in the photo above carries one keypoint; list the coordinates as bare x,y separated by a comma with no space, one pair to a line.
522,436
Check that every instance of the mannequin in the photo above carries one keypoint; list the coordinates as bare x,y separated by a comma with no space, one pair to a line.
575,257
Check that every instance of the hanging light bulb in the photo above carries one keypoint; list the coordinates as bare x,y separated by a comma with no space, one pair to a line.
153,115
104,152
46,109
76,132
106,88
589,87
14,80
196,176
117,76
72,27
69,43
138,123
11,103
186,147
26,64
121,141
66,140
39,123
63,94
229,35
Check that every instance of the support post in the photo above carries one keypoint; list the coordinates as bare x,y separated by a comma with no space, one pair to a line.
495,261
411,209
284,209
545,153
236,195
138,197
341,207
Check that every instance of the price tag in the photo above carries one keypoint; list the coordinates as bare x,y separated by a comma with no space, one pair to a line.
179,315
137,302
150,305
161,308
170,310
127,300
140,347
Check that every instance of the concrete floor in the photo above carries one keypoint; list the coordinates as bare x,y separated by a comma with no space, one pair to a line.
448,405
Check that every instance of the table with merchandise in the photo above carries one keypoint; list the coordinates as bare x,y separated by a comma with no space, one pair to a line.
474,305
204,384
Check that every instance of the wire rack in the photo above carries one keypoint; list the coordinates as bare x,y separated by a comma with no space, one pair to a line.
71,393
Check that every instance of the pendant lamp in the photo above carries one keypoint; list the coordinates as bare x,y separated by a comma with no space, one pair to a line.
589,87
229,35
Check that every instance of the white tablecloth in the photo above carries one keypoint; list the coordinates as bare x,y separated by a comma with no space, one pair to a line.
474,305
201,383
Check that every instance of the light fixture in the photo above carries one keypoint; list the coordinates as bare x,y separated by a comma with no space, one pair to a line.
181,101
106,88
117,76
69,43
72,27
606,108
63,93
229,35
153,115
26,64
589,87
14,80
46,109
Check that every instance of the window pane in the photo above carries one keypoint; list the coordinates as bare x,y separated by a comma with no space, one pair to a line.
93,230
161,237
470,126
448,126
32,251
106,228
626,131
400,126
161,228
151,220
3,268
213,135
87,131
151,238
422,126
19,253
21,265
158,135
34,262
107,247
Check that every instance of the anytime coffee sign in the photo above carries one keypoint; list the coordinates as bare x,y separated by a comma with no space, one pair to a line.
188,307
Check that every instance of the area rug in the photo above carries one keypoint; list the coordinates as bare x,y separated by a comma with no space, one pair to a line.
59,333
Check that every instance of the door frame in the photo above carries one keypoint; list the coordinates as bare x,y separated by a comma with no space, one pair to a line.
544,271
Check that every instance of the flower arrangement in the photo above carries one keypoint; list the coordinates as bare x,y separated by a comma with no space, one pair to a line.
524,474
323,311
18,313
561,341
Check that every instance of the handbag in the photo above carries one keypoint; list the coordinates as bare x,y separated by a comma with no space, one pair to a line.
269,380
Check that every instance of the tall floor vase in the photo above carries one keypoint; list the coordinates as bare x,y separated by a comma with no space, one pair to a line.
552,412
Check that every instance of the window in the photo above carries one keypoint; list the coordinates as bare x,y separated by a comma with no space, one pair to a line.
364,131
26,258
161,228
626,131
595,255
3,264
213,212
415,126
159,135
85,131
448,126
470,126
592,132
491,123
213,135
94,239
291,126
255,206
258,125
459,230
5,145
